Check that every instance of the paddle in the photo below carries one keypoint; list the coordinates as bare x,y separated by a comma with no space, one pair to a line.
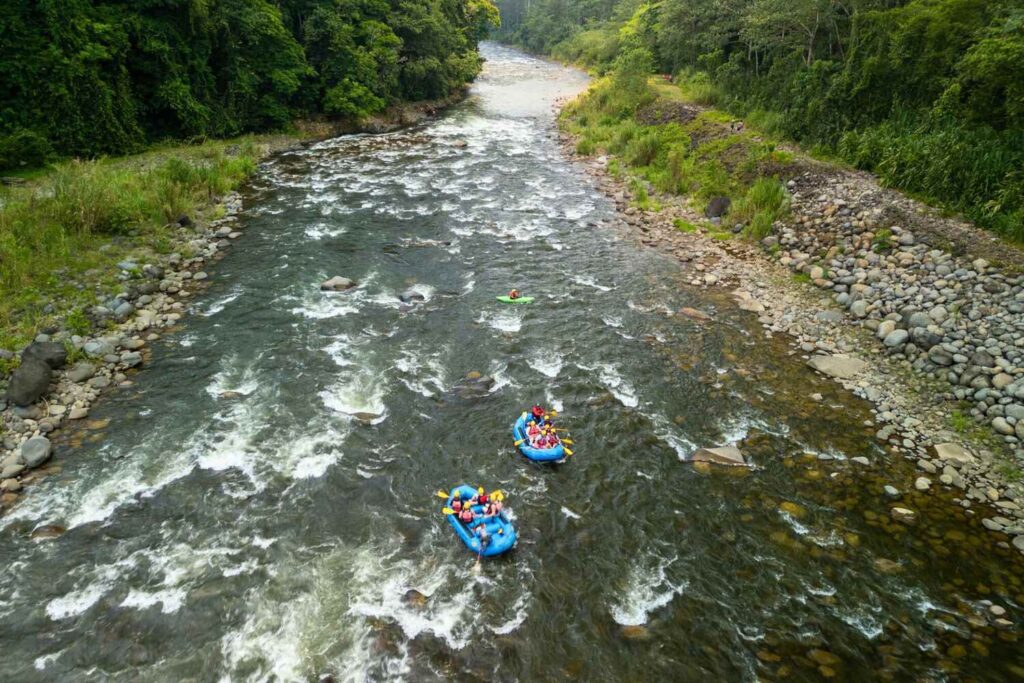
442,494
447,511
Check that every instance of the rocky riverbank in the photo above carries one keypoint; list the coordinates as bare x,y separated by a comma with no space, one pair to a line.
899,304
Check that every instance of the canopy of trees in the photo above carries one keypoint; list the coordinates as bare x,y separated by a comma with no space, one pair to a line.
90,77
927,93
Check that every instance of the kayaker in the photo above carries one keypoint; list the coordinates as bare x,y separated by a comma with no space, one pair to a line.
514,294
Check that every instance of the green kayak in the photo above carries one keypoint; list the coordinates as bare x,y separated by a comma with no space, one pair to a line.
518,300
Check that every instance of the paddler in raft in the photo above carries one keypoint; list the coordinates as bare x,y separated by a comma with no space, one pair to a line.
514,294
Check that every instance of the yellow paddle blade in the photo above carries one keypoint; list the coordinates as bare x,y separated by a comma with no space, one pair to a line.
569,441
447,511
568,452
498,495
441,494
553,413
519,443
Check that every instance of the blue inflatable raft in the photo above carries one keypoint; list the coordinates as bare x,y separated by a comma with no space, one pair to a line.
555,454
502,535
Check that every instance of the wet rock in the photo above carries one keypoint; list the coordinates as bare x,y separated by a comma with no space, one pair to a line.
840,366
337,284
904,515
725,455
10,485
46,532
97,348
415,598
922,483
794,510
36,451
12,470
460,144
1018,543
78,413
896,338
29,382
861,460
51,353
410,296
891,491
131,359
888,566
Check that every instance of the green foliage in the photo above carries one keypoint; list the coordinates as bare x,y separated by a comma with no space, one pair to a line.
51,229
91,77
765,202
684,226
882,241
928,94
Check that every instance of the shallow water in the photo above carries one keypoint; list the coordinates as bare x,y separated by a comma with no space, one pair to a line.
273,535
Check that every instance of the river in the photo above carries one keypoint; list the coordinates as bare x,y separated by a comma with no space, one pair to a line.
262,505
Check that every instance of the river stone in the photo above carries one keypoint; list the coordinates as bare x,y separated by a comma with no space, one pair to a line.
891,491
81,372
337,284
29,382
885,328
1018,543
132,359
861,460
51,353
725,455
922,483
1002,426
1002,380
36,451
97,348
840,366
859,308
12,470
903,515
896,338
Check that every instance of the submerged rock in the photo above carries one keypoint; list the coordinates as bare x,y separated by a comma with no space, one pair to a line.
724,455
337,284
36,451
411,296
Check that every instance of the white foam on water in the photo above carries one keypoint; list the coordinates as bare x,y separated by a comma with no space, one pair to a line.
499,373
170,600
799,528
519,614
270,637
322,230
220,304
308,456
78,601
613,381
361,390
505,320
40,663
648,588
588,281
422,372
570,514
547,363
235,378
322,305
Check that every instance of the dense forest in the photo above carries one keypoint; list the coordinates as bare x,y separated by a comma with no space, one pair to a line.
92,77
929,94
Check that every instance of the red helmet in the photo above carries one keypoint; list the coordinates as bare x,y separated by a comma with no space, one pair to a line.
483,499
538,411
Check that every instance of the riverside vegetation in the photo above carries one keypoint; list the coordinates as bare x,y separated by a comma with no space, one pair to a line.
927,94
944,301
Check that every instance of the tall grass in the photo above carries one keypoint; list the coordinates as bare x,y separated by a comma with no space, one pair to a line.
765,202
52,231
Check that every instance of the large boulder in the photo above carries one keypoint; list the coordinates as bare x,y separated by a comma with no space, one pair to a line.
951,452
29,382
725,455
36,451
717,207
337,284
839,366
51,353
